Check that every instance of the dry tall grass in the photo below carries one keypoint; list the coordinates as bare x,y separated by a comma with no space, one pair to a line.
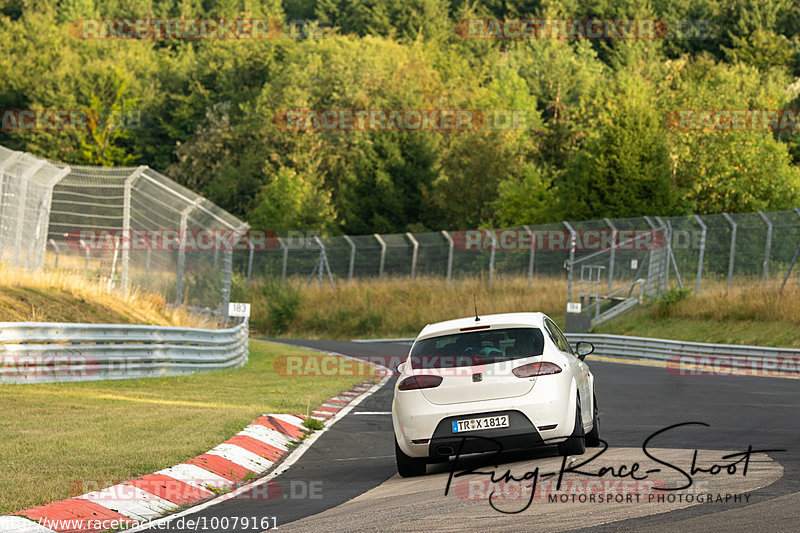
63,296
399,307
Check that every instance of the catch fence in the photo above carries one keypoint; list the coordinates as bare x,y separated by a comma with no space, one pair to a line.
87,219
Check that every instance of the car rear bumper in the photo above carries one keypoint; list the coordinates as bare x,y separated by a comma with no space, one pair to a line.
520,433
544,416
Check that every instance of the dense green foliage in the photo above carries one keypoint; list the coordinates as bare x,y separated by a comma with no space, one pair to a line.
596,140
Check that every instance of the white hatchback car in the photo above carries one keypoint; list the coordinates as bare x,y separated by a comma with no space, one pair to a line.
480,384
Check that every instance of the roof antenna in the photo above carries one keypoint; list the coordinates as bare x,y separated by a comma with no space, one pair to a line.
475,301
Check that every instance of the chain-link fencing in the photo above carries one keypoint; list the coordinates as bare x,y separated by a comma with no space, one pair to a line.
26,185
732,248
125,226
132,226
610,264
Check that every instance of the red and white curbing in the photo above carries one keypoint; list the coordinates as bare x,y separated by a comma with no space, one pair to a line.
246,455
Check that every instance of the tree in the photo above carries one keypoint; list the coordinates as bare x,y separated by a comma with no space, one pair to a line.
623,169
729,169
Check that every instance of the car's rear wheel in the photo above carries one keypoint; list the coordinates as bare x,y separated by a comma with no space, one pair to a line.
408,466
593,437
575,443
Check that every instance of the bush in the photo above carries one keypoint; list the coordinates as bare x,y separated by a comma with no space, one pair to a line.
668,300
282,303
238,287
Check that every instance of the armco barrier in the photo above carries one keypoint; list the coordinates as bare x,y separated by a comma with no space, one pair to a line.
34,352
772,361
663,350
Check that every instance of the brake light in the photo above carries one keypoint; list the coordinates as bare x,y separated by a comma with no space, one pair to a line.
473,328
536,369
419,382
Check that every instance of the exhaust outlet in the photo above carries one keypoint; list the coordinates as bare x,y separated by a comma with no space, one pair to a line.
445,450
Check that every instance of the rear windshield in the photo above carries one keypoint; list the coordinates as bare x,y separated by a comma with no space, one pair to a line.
477,347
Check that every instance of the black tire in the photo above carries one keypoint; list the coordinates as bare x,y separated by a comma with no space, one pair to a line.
593,437
408,466
575,443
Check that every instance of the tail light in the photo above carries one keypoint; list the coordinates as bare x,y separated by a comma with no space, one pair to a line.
419,382
536,369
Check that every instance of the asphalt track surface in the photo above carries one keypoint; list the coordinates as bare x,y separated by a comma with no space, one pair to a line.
357,453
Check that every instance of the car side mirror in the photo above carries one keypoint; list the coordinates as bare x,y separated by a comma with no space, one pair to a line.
401,367
583,349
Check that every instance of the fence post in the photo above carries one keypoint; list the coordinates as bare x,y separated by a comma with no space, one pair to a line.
285,259
572,245
323,263
491,258
36,253
414,253
672,258
147,266
86,255
352,257
668,244
702,253
531,256
47,204
55,245
7,163
249,262
227,272
791,266
383,255
733,248
321,255
24,178
651,269
181,252
449,256
612,254
767,247
10,160
126,225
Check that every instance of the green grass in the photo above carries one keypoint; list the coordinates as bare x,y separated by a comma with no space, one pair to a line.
641,323
54,437
747,314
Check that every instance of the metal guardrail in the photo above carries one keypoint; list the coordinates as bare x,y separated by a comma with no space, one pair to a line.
36,352
664,350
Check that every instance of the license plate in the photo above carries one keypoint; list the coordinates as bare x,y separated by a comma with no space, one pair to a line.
475,424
